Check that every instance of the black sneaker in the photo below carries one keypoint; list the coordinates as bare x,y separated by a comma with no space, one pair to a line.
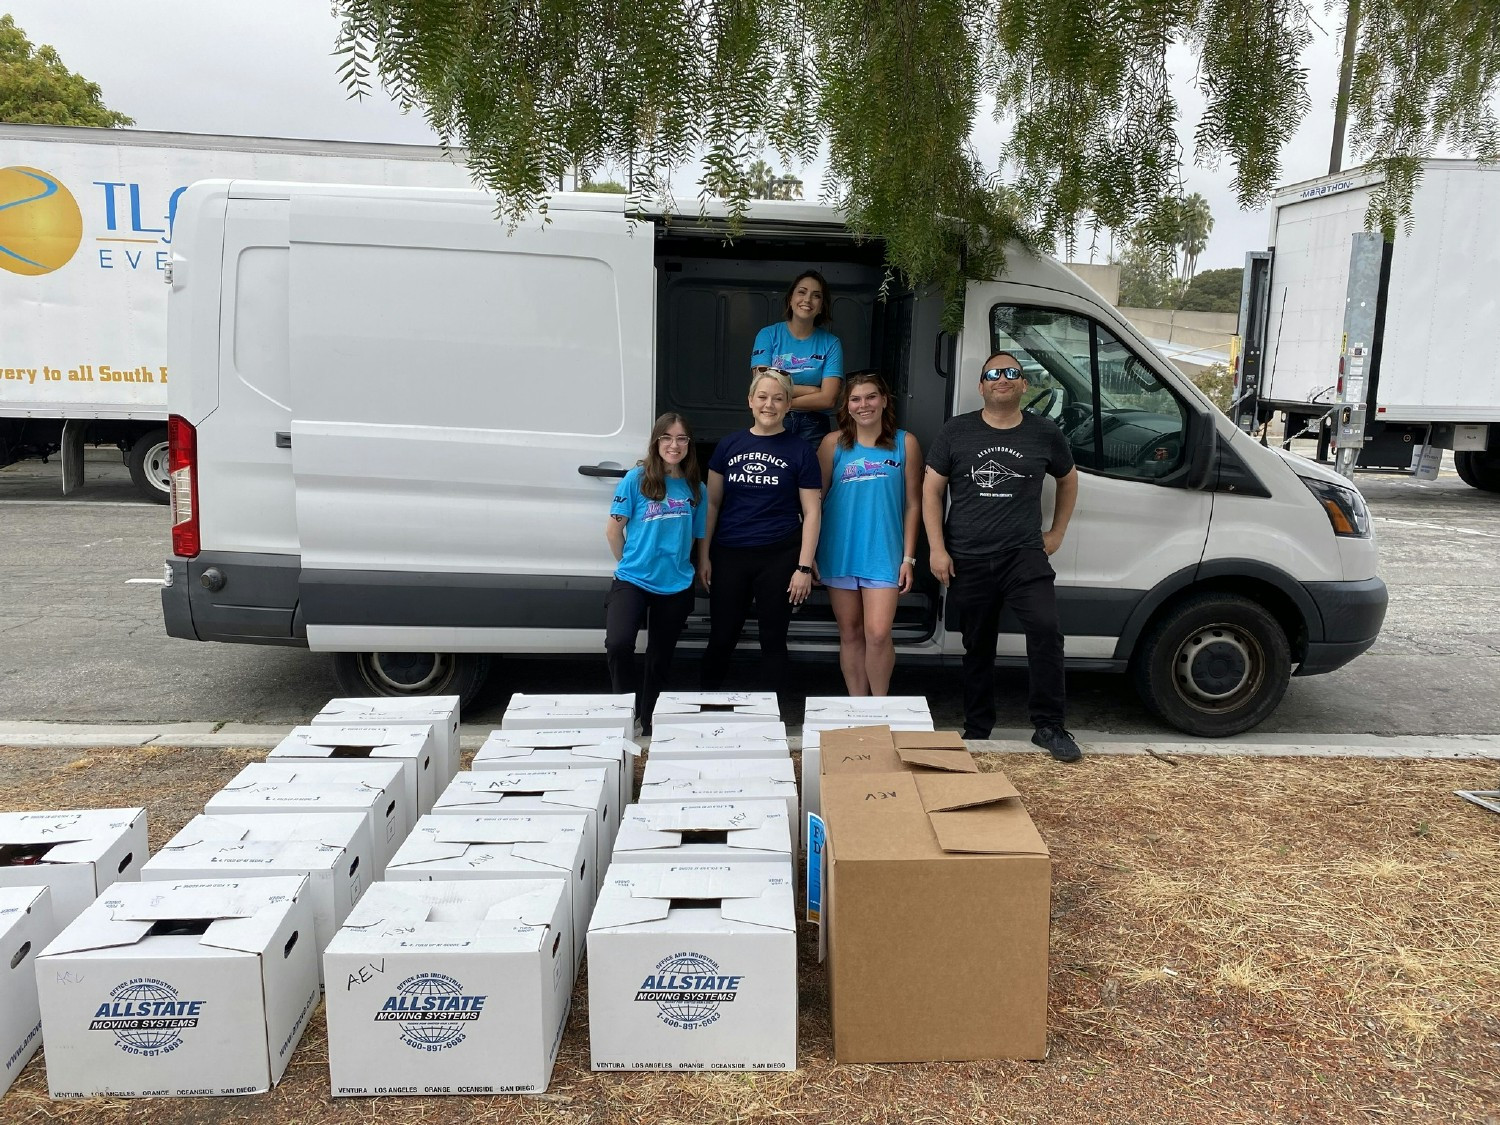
1057,742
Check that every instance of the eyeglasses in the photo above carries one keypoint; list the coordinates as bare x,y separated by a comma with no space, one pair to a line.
994,374
665,440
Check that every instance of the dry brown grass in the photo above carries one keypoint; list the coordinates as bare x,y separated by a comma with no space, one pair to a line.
1234,940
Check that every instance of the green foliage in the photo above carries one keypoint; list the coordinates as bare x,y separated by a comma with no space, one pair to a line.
764,183
1217,383
1145,277
605,187
37,89
1215,291
890,88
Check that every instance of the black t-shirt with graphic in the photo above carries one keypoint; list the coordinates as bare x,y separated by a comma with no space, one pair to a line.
995,480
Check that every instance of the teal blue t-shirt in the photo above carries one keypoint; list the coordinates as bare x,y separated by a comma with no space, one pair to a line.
659,534
806,362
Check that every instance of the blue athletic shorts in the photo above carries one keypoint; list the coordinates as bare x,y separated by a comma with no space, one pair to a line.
838,582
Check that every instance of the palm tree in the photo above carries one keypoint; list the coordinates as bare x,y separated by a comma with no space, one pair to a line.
1194,223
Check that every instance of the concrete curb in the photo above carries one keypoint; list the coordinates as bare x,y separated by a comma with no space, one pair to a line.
1280,745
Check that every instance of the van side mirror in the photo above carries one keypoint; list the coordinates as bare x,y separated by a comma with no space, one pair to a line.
1203,448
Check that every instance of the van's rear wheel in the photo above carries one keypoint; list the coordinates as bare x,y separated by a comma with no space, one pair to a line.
1478,468
148,466
412,673
1214,665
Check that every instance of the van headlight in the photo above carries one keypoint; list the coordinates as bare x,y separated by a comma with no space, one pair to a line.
1344,507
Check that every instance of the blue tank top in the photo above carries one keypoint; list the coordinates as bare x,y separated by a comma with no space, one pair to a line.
864,513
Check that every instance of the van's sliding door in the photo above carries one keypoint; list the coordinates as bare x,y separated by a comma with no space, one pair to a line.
449,380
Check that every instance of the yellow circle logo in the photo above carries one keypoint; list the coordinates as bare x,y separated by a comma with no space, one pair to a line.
40,224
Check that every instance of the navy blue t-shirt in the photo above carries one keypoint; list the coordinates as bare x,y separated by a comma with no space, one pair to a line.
762,476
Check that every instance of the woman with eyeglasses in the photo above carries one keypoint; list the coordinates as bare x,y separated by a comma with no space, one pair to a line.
811,356
764,511
657,513
872,502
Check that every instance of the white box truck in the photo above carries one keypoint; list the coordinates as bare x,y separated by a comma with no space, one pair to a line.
1387,347
397,425
86,227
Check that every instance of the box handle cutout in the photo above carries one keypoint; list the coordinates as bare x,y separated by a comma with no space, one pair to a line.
556,941
180,927
124,863
582,867
26,948
353,867
291,943
391,808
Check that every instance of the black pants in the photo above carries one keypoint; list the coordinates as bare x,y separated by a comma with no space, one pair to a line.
665,615
742,575
1023,580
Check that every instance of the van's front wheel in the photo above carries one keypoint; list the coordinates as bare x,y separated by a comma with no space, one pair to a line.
1214,665
412,673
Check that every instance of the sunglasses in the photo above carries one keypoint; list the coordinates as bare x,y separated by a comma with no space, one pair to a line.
994,374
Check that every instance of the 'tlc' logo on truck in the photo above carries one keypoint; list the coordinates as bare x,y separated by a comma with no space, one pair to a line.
40,224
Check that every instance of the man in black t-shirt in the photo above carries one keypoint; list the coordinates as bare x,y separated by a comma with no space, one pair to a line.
991,552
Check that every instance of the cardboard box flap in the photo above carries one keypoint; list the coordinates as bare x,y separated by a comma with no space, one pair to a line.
519,743
257,775
392,912
203,828
360,737
488,830
743,892
714,734
170,901
420,847
558,852
458,796
720,816
707,703
821,709
97,933
772,909
561,706
638,836
533,907
991,830
247,935
432,708
949,761
947,792
929,740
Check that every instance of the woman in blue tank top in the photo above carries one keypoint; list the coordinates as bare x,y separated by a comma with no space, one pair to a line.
872,503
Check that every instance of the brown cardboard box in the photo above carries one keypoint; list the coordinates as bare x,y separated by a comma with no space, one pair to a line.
882,750
937,905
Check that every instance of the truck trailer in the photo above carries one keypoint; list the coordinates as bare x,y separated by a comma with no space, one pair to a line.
1382,348
86,230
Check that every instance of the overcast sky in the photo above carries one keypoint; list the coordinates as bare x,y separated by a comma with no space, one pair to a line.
264,68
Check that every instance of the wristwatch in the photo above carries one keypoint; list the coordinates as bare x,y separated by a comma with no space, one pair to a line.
804,569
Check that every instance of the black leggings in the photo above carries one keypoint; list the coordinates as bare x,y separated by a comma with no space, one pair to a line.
742,575
665,615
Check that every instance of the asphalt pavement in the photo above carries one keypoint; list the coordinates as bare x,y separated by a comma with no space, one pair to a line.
81,637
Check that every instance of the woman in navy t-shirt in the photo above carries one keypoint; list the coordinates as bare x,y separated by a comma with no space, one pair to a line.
764,510
657,512
810,355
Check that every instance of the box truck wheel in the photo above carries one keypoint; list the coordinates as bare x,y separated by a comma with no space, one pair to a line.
1214,665
412,673
1478,468
148,466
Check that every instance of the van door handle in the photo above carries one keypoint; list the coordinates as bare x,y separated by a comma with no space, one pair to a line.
283,439
600,471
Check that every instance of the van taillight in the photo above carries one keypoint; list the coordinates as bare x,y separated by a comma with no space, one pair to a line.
182,468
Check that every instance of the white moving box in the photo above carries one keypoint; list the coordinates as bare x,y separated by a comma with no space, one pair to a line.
451,848
411,746
77,853
438,711
539,793
615,713
722,734
715,707
333,850
755,779
374,788
733,741
179,989
26,926
705,832
450,988
562,748
701,987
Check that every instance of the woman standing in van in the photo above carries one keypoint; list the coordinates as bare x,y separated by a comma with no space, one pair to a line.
764,511
872,503
809,354
657,512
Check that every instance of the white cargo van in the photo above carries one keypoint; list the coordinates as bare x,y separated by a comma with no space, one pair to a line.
396,428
